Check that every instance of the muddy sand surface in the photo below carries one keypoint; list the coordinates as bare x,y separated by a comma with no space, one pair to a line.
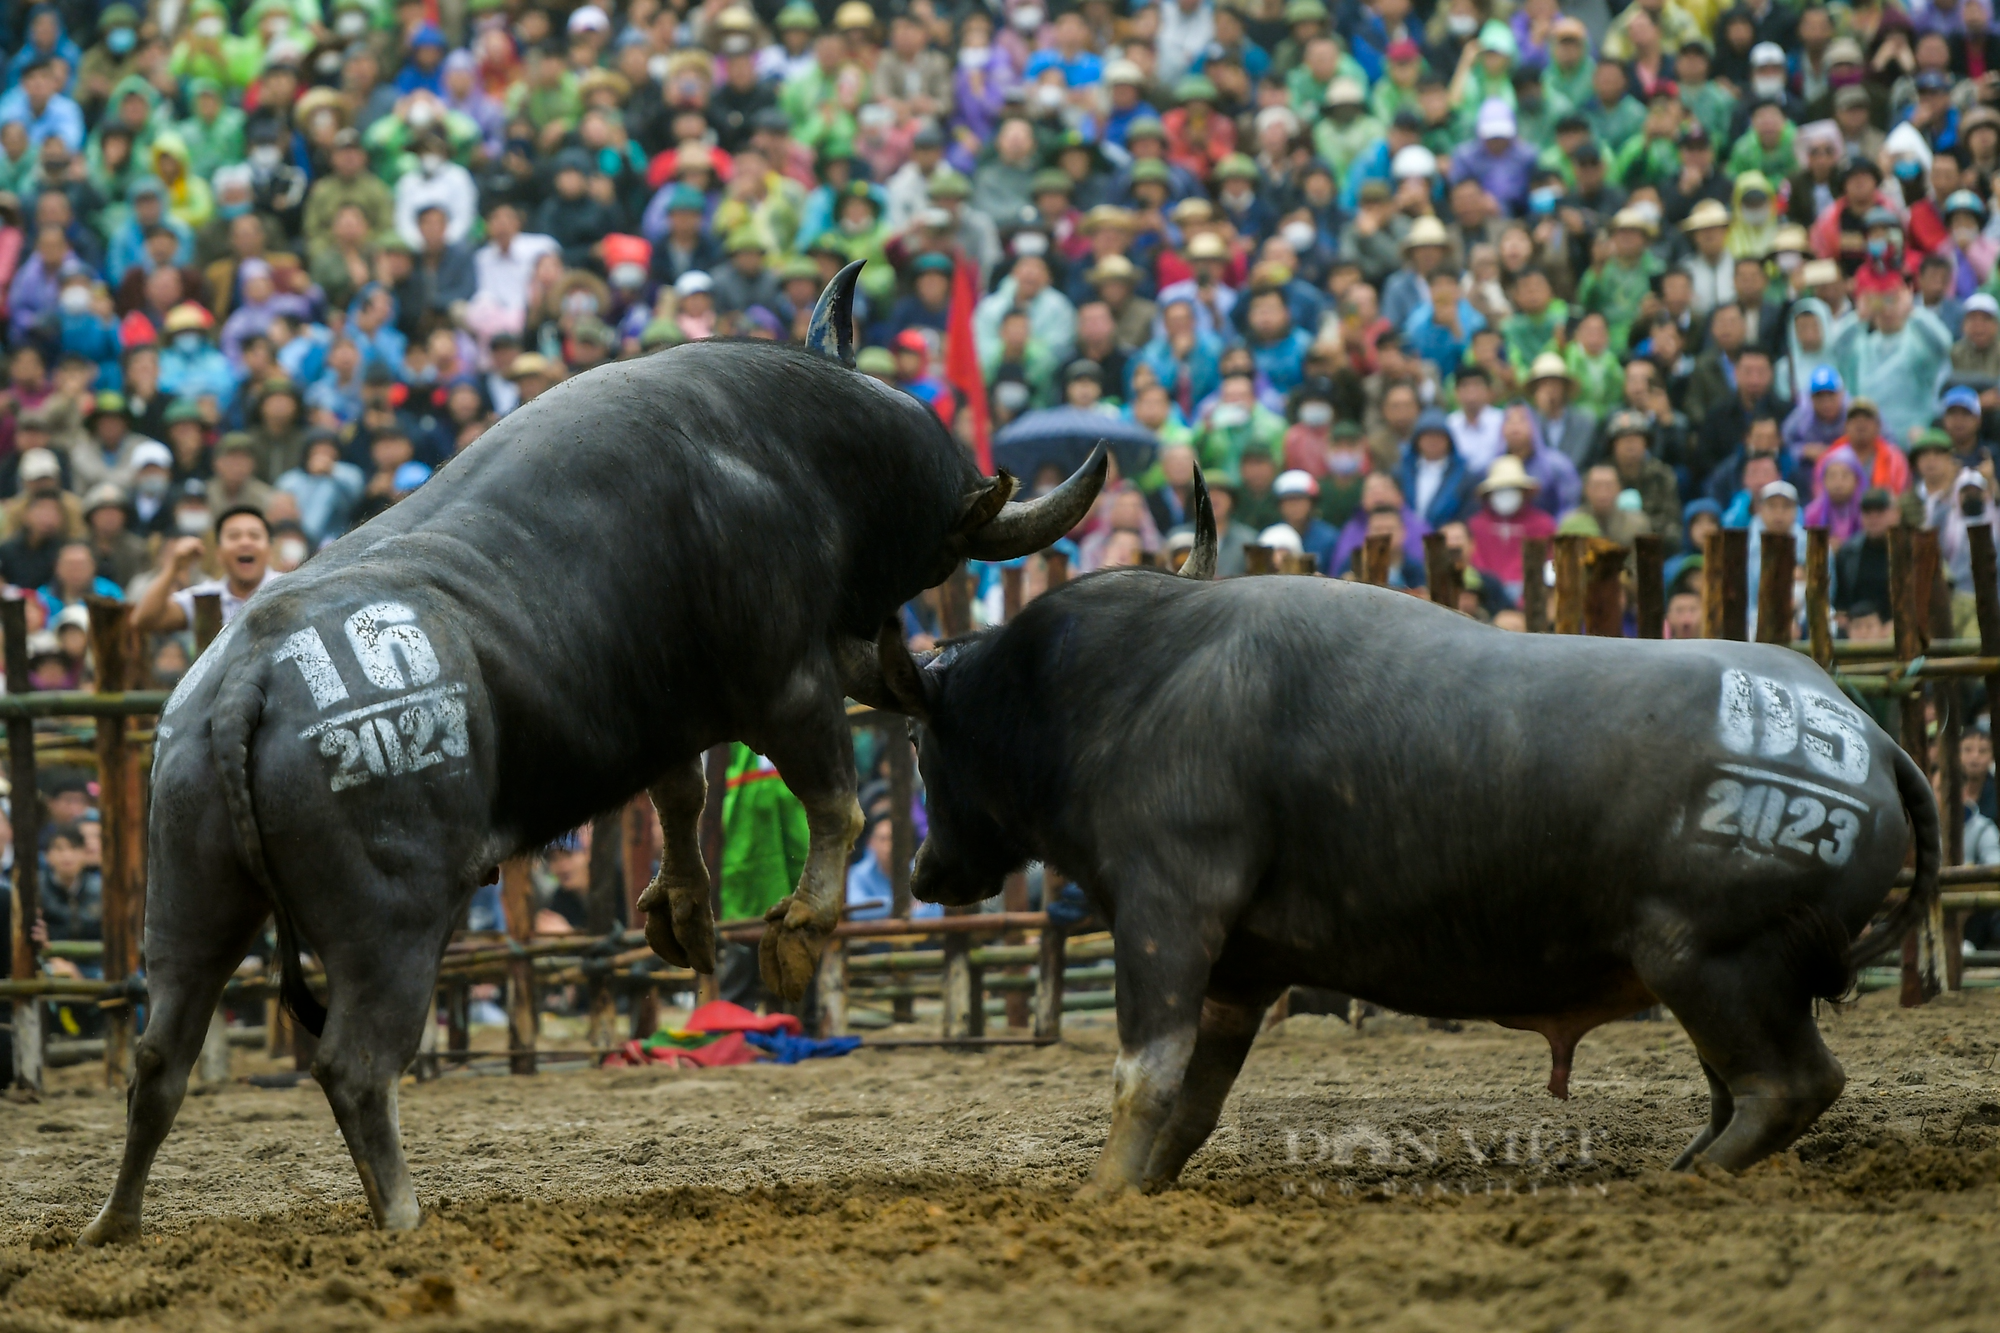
1401,1178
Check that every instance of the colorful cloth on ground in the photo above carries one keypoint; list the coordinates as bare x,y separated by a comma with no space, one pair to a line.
783,1049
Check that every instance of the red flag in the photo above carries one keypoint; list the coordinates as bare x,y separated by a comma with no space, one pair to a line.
961,359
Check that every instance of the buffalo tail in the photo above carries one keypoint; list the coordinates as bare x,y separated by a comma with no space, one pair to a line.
236,716
1921,806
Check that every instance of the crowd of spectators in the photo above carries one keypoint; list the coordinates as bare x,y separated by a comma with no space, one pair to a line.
1396,266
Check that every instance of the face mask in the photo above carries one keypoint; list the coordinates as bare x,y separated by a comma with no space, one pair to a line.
854,226
1844,77
1505,503
1789,262
121,40
1228,416
191,522
1462,25
187,344
75,300
208,27
422,114
151,484
1878,248
1964,235
1543,202
1756,217
1315,414
1026,19
292,550
1769,87
657,67
1238,198
232,210
1908,168
974,57
579,304
628,277
432,163
1343,462
266,157
1048,97
1300,236
351,24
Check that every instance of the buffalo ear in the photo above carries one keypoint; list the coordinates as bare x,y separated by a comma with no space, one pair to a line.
911,688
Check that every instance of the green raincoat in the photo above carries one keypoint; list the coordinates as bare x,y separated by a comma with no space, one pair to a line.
211,143
764,838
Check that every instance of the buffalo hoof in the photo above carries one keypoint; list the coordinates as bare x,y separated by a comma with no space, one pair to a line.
109,1229
680,927
1096,1191
788,955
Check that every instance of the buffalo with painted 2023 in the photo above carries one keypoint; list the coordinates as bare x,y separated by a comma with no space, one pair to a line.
722,528
1270,782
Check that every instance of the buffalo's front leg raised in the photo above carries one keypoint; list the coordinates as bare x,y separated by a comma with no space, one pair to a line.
680,920
816,760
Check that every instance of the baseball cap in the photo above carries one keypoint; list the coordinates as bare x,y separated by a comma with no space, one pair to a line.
38,465
151,453
1294,482
1961,396
1782,490
1929,439
1496,120
1864,406
1875,499
1825,379
1766,53
693,281
1981,303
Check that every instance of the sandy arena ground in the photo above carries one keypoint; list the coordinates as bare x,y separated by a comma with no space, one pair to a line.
1401,1179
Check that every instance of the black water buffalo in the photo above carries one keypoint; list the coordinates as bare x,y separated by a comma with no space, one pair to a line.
1277,781
652,558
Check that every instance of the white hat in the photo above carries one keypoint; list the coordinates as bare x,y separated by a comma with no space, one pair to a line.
39,463
151,453
692,281
1980,303
1294,482
1281,537
1124,71
1763,53
1345,92
1778,489
589,19
1414,162
1496,120
74,616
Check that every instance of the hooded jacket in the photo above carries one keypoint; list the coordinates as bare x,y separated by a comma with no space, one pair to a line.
188,197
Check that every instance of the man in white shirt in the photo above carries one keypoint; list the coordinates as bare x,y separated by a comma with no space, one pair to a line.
242,543
436,182
1475,427
506,263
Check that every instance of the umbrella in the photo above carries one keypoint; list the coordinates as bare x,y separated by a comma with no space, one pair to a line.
1063,437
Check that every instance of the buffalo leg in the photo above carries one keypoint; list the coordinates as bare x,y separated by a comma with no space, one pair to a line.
1750,1018
1160,983
1720,1107
1228,1027
378,998
680,922
816,760
193,942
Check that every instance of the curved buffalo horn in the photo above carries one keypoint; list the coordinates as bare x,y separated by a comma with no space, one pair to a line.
1023,527
1200,562
833,314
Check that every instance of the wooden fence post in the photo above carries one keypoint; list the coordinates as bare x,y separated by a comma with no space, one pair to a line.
118,811
1377,554
1569,583
27,807
1949,694
606,905
1711,585
1011,579
517,905
1535,585
1735,584
1819,618
641,826
964,993
1603,588
955,602
1055,570
1049,981
1913,558
1440,571
1649,563
1775,574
